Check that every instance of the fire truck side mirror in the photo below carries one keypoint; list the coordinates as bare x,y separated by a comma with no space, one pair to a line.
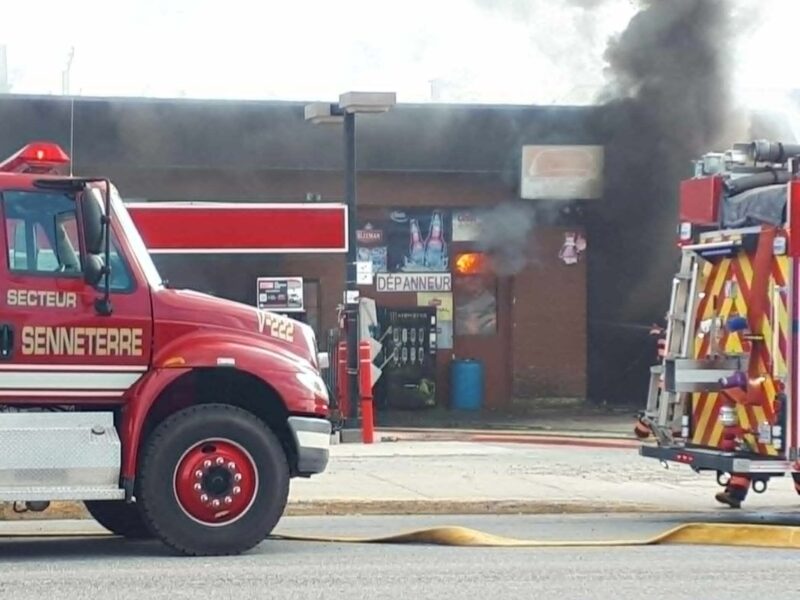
92,217
94,270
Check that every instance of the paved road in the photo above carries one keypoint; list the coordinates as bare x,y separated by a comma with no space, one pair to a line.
108,568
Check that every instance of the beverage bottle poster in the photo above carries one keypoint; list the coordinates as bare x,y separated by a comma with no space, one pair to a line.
418,241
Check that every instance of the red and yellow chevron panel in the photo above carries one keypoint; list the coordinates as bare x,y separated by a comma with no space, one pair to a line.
725,292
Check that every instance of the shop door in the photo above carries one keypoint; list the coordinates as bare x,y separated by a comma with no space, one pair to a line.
482,330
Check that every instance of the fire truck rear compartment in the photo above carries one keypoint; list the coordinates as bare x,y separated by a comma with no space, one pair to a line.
720,385
59,456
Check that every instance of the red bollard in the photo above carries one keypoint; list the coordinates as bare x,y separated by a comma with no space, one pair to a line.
367,425
365,392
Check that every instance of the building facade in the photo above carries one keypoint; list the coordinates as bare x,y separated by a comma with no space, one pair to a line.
450,218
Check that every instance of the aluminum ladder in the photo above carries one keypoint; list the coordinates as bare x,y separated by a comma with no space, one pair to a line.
665,411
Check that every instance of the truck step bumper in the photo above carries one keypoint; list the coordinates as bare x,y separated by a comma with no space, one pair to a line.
313,440
59,456
702,459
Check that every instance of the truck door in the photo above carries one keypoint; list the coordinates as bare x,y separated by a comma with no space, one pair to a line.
54,346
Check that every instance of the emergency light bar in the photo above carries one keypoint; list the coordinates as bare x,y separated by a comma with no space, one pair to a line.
37,157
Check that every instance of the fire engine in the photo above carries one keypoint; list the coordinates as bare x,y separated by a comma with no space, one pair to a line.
171,414
724,398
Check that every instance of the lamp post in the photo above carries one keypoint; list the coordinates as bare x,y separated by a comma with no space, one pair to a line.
350,104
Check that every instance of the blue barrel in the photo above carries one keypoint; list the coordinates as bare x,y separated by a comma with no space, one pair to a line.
466,384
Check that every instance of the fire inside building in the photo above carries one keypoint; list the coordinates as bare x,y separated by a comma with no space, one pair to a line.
484,220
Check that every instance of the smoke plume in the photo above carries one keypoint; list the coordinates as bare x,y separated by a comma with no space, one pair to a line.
668,101
504,234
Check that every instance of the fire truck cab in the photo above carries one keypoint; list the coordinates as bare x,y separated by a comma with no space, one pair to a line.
725,396
169,413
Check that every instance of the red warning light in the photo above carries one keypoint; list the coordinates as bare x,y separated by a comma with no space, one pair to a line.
36,157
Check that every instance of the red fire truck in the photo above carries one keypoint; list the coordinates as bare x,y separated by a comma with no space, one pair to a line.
725,396
169,413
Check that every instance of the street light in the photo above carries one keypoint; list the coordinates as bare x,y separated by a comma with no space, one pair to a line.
350,104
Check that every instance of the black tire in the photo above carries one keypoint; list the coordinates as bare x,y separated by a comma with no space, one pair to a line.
119,518
161,455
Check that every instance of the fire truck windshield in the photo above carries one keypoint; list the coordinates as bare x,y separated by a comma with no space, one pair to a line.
135,241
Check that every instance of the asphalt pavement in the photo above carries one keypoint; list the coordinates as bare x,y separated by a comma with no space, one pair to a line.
108,568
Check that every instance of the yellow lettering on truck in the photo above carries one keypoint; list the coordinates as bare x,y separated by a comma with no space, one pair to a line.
81,341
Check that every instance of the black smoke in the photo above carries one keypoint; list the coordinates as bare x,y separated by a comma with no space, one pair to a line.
669,100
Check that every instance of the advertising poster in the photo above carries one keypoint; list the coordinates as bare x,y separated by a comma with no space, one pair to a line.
371,247
466,225
407,241
418,241
280,294
572,249
443,302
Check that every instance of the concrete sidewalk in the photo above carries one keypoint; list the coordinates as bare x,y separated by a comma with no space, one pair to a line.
411,477
444,477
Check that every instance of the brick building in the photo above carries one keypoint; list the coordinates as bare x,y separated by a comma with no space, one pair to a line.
523,314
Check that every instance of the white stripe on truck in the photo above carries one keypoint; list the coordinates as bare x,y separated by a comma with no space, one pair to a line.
67,380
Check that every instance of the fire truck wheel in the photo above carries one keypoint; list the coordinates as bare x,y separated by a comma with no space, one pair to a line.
213,480
119,518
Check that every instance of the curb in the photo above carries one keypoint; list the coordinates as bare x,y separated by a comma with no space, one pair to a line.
465,507
511,437
346,507
583,433
619,444
423,435
57,510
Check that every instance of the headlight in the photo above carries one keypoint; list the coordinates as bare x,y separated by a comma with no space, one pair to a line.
728,416
313,383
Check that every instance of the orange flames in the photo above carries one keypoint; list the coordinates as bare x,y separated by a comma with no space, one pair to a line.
471,263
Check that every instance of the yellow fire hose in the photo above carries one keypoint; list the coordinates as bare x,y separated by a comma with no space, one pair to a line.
712,534
764,536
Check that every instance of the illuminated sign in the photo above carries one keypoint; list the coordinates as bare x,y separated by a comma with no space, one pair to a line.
561,172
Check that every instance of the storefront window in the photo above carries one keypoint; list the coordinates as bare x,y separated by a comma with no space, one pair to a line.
475,305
